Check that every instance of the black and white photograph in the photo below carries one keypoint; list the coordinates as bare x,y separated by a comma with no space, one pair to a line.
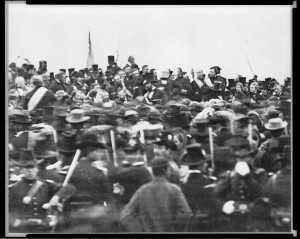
148,119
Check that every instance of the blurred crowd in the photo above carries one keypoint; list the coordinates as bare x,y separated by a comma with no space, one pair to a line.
127,151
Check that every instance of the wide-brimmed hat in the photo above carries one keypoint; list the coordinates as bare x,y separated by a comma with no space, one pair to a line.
143,110
150,78
88,140
40,149
26,159
77,116
108,73
66,142
217,86
199,127
275,123
21,119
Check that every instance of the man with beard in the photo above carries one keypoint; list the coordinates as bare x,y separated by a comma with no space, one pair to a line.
129,81
94,76
166,84
214,75
153,93
255,96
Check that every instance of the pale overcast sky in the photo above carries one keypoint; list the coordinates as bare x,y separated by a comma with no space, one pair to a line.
160,36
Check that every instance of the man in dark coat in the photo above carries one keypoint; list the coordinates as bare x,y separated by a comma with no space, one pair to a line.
159,206
255,95
166,84
112,65
27,198
153,93
59,83
200,86
214,75
39,97
185,84
132,64
215,92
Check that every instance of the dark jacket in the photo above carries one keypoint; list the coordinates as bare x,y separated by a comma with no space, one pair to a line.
185,84
47,99
199,92
159,94
168,85
56,86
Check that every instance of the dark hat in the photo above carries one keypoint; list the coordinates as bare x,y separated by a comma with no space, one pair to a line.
60,110
48,111
30,67
86,70
40,149
268,79
88,140
70,71
51,75
108,73
195,155
199,127
150,78
59,75
112,89
196,107
264,85
26,159
27,75
217,69
250,81
217,86
237,142
21,119
111,59
242,80
82,71
66,142
156,102
223,159
79,74
231,83
95,68
63,70
165,138
159,162
59,123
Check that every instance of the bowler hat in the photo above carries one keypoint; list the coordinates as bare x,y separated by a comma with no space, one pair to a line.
66,142
111,59
88,140
217,86
40,149
275,123
77,116
26,159
159,162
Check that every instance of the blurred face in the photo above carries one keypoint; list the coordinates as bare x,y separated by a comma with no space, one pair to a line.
146,70
278,90
29,173
94,74
135,73
238,88
96,87
80,79
199,74
127,71
121,94
131,60
212,72
122,74
117,79
148,86
252,89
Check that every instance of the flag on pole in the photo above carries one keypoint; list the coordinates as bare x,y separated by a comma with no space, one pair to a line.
90,59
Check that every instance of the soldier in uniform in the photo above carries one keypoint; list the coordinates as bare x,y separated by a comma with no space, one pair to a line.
27,198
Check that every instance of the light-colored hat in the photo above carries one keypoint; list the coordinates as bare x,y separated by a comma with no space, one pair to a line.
275,123
60,93
77,116
130,113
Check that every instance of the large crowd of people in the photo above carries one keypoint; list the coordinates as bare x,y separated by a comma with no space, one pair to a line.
123,150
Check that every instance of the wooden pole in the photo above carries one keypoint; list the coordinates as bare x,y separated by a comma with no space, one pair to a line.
72,167
143,142
211,144
113,146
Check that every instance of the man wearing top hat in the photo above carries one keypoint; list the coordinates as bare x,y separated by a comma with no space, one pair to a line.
214,75
112,65
153,93
39,97
94,76
30,197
